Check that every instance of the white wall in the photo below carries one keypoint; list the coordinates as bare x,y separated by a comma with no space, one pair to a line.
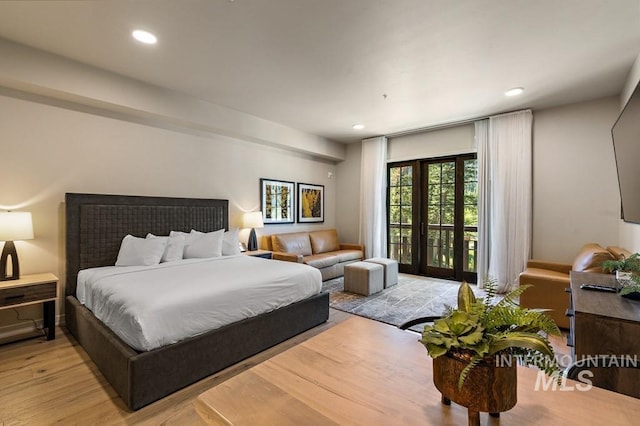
575,188
436,143
348,194
629,233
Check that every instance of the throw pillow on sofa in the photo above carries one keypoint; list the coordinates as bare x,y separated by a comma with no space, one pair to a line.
590,258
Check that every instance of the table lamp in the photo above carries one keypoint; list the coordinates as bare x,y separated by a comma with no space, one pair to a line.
253,220
14,226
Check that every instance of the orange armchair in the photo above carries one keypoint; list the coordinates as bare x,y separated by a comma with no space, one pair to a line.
549,279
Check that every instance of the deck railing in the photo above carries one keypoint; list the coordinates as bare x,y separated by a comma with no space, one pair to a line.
439,250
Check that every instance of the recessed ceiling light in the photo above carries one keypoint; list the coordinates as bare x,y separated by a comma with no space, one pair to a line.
144,37
514,92
358,126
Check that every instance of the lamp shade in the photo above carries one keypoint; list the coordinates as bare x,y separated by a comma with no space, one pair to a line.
253,220
16,226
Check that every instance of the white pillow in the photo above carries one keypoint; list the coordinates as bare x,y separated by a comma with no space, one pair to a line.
230,242
204,245
174,249
186,235
187,240
140,251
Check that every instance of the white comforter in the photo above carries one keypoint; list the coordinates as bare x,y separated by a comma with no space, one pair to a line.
153,306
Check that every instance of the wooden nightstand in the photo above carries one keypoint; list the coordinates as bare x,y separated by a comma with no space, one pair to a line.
32,289
265,254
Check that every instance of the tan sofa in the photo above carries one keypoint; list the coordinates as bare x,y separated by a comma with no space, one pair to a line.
549,279
320,249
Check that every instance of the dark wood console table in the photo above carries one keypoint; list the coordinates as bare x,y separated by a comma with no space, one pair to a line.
605,323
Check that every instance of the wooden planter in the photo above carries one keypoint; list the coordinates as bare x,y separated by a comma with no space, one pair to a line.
488,388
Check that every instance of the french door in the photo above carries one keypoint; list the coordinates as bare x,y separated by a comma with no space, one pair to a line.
433,215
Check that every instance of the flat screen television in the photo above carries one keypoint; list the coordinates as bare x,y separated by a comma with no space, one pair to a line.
626,146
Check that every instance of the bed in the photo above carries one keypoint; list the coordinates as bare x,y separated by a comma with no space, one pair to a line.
95,226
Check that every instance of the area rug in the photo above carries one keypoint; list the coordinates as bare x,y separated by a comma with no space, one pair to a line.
413,297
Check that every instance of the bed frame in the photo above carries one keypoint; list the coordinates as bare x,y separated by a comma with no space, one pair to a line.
95,226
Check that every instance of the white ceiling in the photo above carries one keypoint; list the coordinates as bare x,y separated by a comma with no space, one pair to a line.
323,65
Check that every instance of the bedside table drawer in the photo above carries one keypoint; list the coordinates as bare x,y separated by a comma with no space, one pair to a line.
28,293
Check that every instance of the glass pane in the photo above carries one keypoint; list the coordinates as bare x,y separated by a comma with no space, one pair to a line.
406,254
470,251
407,176
394,214
394,176
433,236
471,193
447,215
394,234
449,172
434,215
394,252
470,215
433,194
407,195
434,171
406,215
394,195
406,234
400,213
448,193
401,247
470,170
433,244
446,256
470,241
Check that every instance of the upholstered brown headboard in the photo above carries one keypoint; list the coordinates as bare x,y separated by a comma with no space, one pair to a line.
97,223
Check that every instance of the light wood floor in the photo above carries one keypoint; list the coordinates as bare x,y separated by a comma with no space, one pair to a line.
56,382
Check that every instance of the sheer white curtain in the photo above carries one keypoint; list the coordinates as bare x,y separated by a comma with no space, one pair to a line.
373,201
504,197
484,183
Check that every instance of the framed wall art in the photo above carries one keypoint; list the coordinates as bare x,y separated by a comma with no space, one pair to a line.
277,201
310,203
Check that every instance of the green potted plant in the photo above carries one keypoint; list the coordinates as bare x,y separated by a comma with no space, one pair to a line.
475,348
627,272
629,265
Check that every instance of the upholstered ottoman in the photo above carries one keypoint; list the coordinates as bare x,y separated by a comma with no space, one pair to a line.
390,270
363,278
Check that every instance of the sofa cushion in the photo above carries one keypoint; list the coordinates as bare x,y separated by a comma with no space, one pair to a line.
320,260
531,274
590,258
324,241
618,253
347,255
296,242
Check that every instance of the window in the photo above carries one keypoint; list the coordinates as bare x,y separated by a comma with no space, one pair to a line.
400,213
433,215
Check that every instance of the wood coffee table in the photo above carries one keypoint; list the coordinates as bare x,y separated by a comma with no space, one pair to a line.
365,372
